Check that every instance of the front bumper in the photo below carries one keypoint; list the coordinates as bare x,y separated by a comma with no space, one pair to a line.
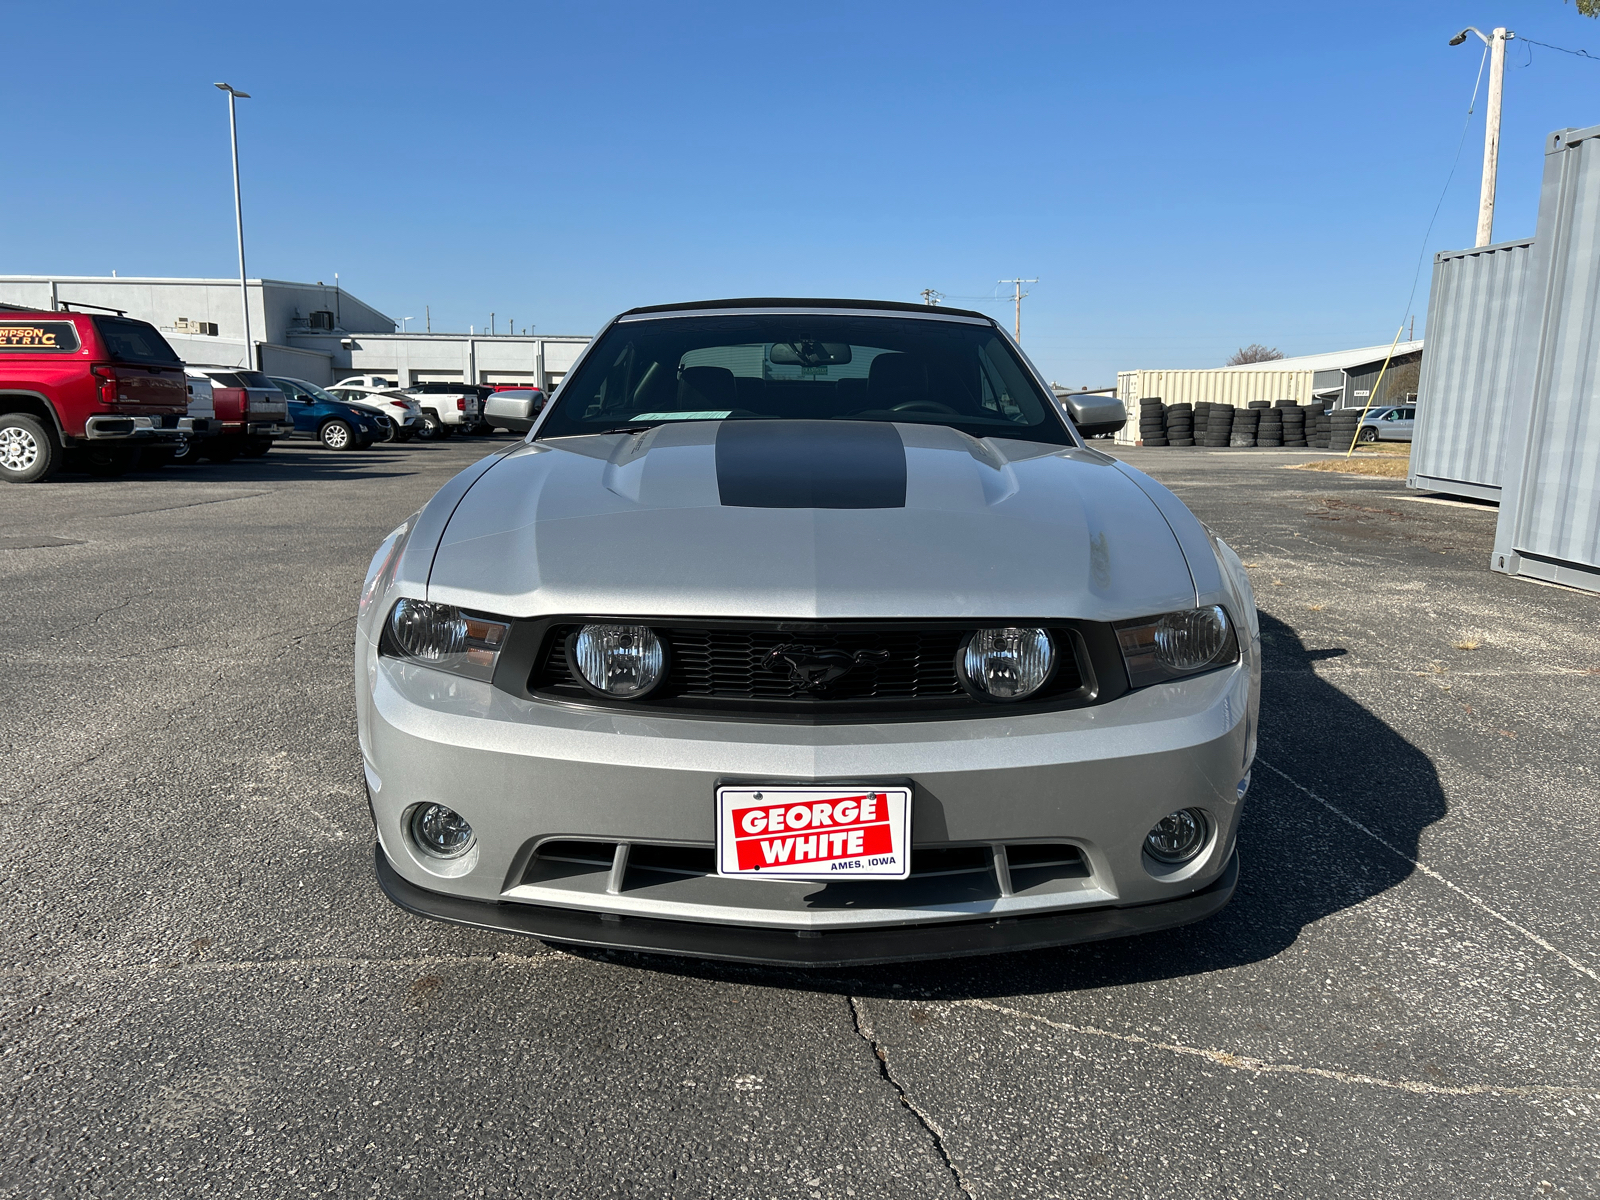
837,948
525,772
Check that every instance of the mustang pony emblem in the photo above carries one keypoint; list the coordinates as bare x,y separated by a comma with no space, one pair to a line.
815,670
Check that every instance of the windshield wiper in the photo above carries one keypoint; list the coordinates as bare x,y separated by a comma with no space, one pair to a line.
628,429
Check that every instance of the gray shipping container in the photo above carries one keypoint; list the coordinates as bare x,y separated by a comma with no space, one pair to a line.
1464,399
1549,523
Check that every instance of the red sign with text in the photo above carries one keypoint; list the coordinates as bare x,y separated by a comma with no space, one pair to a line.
814,833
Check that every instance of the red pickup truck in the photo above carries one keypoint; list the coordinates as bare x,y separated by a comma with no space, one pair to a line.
88,389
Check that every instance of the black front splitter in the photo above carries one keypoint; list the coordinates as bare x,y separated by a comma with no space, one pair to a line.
833,948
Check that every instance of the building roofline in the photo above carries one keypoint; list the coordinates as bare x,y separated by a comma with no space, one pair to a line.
230,282
413,335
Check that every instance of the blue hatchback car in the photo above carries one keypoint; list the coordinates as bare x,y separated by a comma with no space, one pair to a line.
337,425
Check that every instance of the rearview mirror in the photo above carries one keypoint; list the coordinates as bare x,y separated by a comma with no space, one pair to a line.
1095,415
514,413
808,354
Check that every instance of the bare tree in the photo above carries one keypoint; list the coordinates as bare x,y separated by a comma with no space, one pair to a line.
1255,352
1399,382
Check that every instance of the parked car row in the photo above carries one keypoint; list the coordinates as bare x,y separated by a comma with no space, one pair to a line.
103,393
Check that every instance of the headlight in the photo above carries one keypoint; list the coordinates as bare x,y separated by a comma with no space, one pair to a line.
1007,664
623,661
443,636
1177,644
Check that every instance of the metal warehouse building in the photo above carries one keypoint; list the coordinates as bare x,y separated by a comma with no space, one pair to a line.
312,331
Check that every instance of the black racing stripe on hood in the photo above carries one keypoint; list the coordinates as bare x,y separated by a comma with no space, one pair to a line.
810,464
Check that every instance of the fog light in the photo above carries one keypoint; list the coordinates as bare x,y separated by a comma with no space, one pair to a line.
440,831
1177,837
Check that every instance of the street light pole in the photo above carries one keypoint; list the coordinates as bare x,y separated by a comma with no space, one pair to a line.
238,216
1491,126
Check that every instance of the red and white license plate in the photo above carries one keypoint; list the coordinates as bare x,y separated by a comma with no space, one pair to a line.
814,832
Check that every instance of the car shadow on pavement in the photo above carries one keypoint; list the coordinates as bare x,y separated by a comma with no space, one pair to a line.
1300,860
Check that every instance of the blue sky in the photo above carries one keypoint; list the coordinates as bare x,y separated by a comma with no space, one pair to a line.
1183,179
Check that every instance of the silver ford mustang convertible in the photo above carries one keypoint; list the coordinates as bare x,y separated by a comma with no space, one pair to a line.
807,632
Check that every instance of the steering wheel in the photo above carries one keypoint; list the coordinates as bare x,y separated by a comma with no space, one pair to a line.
929,406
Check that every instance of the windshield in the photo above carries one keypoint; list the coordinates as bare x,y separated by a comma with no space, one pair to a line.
769,366
317,393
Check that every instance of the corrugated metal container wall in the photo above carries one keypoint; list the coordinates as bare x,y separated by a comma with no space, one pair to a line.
1464,399
1549,524
1218,386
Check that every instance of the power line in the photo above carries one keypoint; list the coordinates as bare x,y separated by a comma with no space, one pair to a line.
1450,178
1563,49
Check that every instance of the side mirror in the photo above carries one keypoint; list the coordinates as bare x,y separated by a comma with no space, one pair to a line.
1095,414
514,413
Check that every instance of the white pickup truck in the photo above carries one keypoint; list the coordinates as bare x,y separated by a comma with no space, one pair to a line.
446,407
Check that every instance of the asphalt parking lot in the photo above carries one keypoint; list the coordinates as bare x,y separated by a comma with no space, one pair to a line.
202,991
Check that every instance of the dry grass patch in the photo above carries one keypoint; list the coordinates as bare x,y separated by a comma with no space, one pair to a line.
1384,468
1467,643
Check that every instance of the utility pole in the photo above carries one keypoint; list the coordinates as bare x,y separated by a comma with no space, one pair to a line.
238,217
429,316
1491,126
931,298
1017,283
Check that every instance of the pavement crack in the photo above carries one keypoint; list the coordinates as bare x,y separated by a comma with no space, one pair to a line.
865,1031
1259,1066
201,966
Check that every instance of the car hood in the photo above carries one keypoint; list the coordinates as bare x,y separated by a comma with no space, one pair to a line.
688,520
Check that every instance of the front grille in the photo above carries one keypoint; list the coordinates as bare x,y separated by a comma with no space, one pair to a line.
717,668
939,874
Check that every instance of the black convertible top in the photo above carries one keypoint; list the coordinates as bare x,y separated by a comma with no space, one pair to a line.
780,302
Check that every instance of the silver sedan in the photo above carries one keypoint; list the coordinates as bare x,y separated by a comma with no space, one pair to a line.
807,632
1389,424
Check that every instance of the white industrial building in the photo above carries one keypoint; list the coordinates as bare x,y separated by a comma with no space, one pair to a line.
312,331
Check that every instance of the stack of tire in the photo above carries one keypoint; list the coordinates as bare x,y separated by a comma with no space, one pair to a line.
1245,423
1294,423
1317,426
1342,426
1153,422
1180,424
1270,431
1219,425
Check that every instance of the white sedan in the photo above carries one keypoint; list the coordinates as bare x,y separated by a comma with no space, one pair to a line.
403,410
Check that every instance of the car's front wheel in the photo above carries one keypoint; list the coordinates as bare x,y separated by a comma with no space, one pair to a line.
336,435
1367,434
28,454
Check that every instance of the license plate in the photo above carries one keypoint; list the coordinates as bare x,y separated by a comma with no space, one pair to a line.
823,833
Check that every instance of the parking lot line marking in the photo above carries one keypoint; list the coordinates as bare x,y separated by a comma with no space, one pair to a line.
1261,1066
1434,875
